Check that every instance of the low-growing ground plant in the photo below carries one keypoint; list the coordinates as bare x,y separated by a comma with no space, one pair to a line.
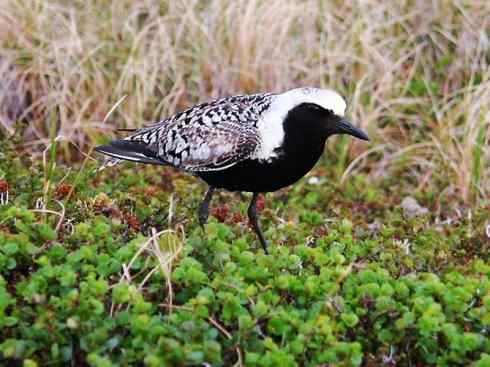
380,256
120,273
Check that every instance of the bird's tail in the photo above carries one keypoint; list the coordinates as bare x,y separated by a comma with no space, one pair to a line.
109,162
134,151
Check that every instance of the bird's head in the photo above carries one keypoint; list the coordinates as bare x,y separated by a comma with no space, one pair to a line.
317,112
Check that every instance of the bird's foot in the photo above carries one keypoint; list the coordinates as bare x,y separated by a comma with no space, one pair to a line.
203,213
252,216
240,195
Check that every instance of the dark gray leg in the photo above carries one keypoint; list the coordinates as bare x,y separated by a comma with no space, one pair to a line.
240,195
252,216
204,208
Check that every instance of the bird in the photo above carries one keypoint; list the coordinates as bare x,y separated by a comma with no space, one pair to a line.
256,143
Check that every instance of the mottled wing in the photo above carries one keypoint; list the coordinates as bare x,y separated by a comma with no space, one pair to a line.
214,136
212,148
210,136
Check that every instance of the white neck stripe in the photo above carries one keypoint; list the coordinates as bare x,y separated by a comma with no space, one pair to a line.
270,124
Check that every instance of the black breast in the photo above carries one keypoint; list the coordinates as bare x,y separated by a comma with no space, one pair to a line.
296,158
305,134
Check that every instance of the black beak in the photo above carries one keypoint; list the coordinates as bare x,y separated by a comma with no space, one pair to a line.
344,126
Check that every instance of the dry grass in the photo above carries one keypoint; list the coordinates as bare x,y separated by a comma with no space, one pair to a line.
416,73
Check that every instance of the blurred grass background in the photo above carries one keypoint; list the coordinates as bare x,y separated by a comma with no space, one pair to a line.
111,268
415,73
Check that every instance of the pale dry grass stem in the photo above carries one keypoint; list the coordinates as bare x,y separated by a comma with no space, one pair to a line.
164,247
414,72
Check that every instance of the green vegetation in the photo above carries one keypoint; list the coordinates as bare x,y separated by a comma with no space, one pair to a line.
379,257
349,279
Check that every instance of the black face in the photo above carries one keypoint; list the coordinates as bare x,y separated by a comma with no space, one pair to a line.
316,121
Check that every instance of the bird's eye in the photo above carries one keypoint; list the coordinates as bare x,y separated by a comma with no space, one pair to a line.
319,109
314,106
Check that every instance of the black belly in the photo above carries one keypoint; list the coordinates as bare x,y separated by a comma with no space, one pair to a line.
255,176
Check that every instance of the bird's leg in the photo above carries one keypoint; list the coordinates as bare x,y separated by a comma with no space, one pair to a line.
252,216
240,195
204,208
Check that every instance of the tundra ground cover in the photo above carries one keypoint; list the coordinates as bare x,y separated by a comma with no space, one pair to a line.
111,268
120,273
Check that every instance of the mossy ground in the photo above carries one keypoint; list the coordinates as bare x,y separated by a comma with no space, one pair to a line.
111,268
349,279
